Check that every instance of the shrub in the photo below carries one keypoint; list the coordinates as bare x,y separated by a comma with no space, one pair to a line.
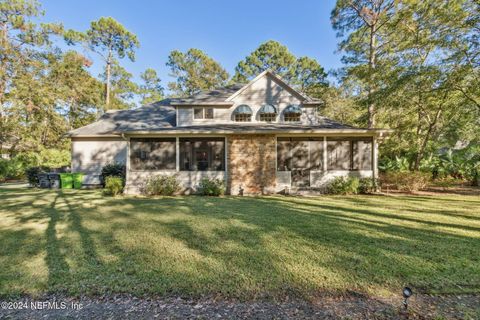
12,168
407,181
367,185
113,170
211,187
344,185
17,166
113,185
162,185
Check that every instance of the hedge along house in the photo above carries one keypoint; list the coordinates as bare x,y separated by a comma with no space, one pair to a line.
259,138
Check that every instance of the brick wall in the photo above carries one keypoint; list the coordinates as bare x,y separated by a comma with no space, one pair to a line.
251,164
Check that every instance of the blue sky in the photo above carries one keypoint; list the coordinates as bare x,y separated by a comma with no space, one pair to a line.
226,30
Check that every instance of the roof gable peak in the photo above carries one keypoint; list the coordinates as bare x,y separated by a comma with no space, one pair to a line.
277,78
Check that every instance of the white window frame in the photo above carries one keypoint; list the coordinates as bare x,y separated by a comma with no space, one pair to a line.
203,113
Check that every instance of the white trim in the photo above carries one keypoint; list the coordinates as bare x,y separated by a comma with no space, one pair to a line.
325,154
307,132
177,154
226,162
127,169
375,158
276,77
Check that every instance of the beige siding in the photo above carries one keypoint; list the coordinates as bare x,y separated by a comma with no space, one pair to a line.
90,155
265,90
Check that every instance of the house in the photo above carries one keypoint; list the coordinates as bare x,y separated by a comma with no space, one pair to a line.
262,137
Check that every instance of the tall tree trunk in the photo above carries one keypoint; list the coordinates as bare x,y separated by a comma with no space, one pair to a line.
108,76
426,138
371,67
3,66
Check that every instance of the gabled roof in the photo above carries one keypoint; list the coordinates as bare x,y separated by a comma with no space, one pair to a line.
276,78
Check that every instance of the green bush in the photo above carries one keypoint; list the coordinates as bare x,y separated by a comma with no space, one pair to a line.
113,170
211,187
12,169
407,181
344,185
367,185
162,185
16,167
113,185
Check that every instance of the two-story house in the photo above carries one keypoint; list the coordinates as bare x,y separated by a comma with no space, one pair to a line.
261,137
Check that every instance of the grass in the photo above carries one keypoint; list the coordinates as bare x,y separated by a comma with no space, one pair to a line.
80,242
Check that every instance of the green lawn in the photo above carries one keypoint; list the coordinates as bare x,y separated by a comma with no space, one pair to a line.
80,242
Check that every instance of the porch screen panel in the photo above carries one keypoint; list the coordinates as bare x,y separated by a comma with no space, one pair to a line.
284,160
316,154
152,154
299,153
202,154
362,155
338,154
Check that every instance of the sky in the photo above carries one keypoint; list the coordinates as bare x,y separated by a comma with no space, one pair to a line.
227,30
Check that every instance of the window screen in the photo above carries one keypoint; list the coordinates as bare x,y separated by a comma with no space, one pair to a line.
197,113
202,154
338,154
268,117
362,155
208,113
152,154
241,117
299,153
349,154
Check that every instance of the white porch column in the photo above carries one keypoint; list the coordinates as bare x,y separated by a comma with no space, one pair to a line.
127,166
325,156
177,154
375,158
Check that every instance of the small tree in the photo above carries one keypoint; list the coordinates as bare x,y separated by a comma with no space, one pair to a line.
194,71
109,39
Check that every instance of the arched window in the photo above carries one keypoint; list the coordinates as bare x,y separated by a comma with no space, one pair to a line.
268,113
243,113
292,113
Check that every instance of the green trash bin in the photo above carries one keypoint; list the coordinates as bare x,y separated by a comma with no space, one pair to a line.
78,180
66,180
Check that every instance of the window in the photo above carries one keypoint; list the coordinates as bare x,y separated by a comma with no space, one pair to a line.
268,117
202,154
153,154
243,117
299,153
242,113
349,154
267,113
202,113
292,113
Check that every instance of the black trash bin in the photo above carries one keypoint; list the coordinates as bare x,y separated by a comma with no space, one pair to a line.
54,180
43,180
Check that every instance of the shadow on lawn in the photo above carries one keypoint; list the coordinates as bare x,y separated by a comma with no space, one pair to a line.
241,246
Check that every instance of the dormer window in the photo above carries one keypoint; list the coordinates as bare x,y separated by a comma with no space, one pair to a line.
243,113
292,113
202,113
268,113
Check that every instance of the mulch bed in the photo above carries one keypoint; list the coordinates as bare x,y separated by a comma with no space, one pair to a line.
352,307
